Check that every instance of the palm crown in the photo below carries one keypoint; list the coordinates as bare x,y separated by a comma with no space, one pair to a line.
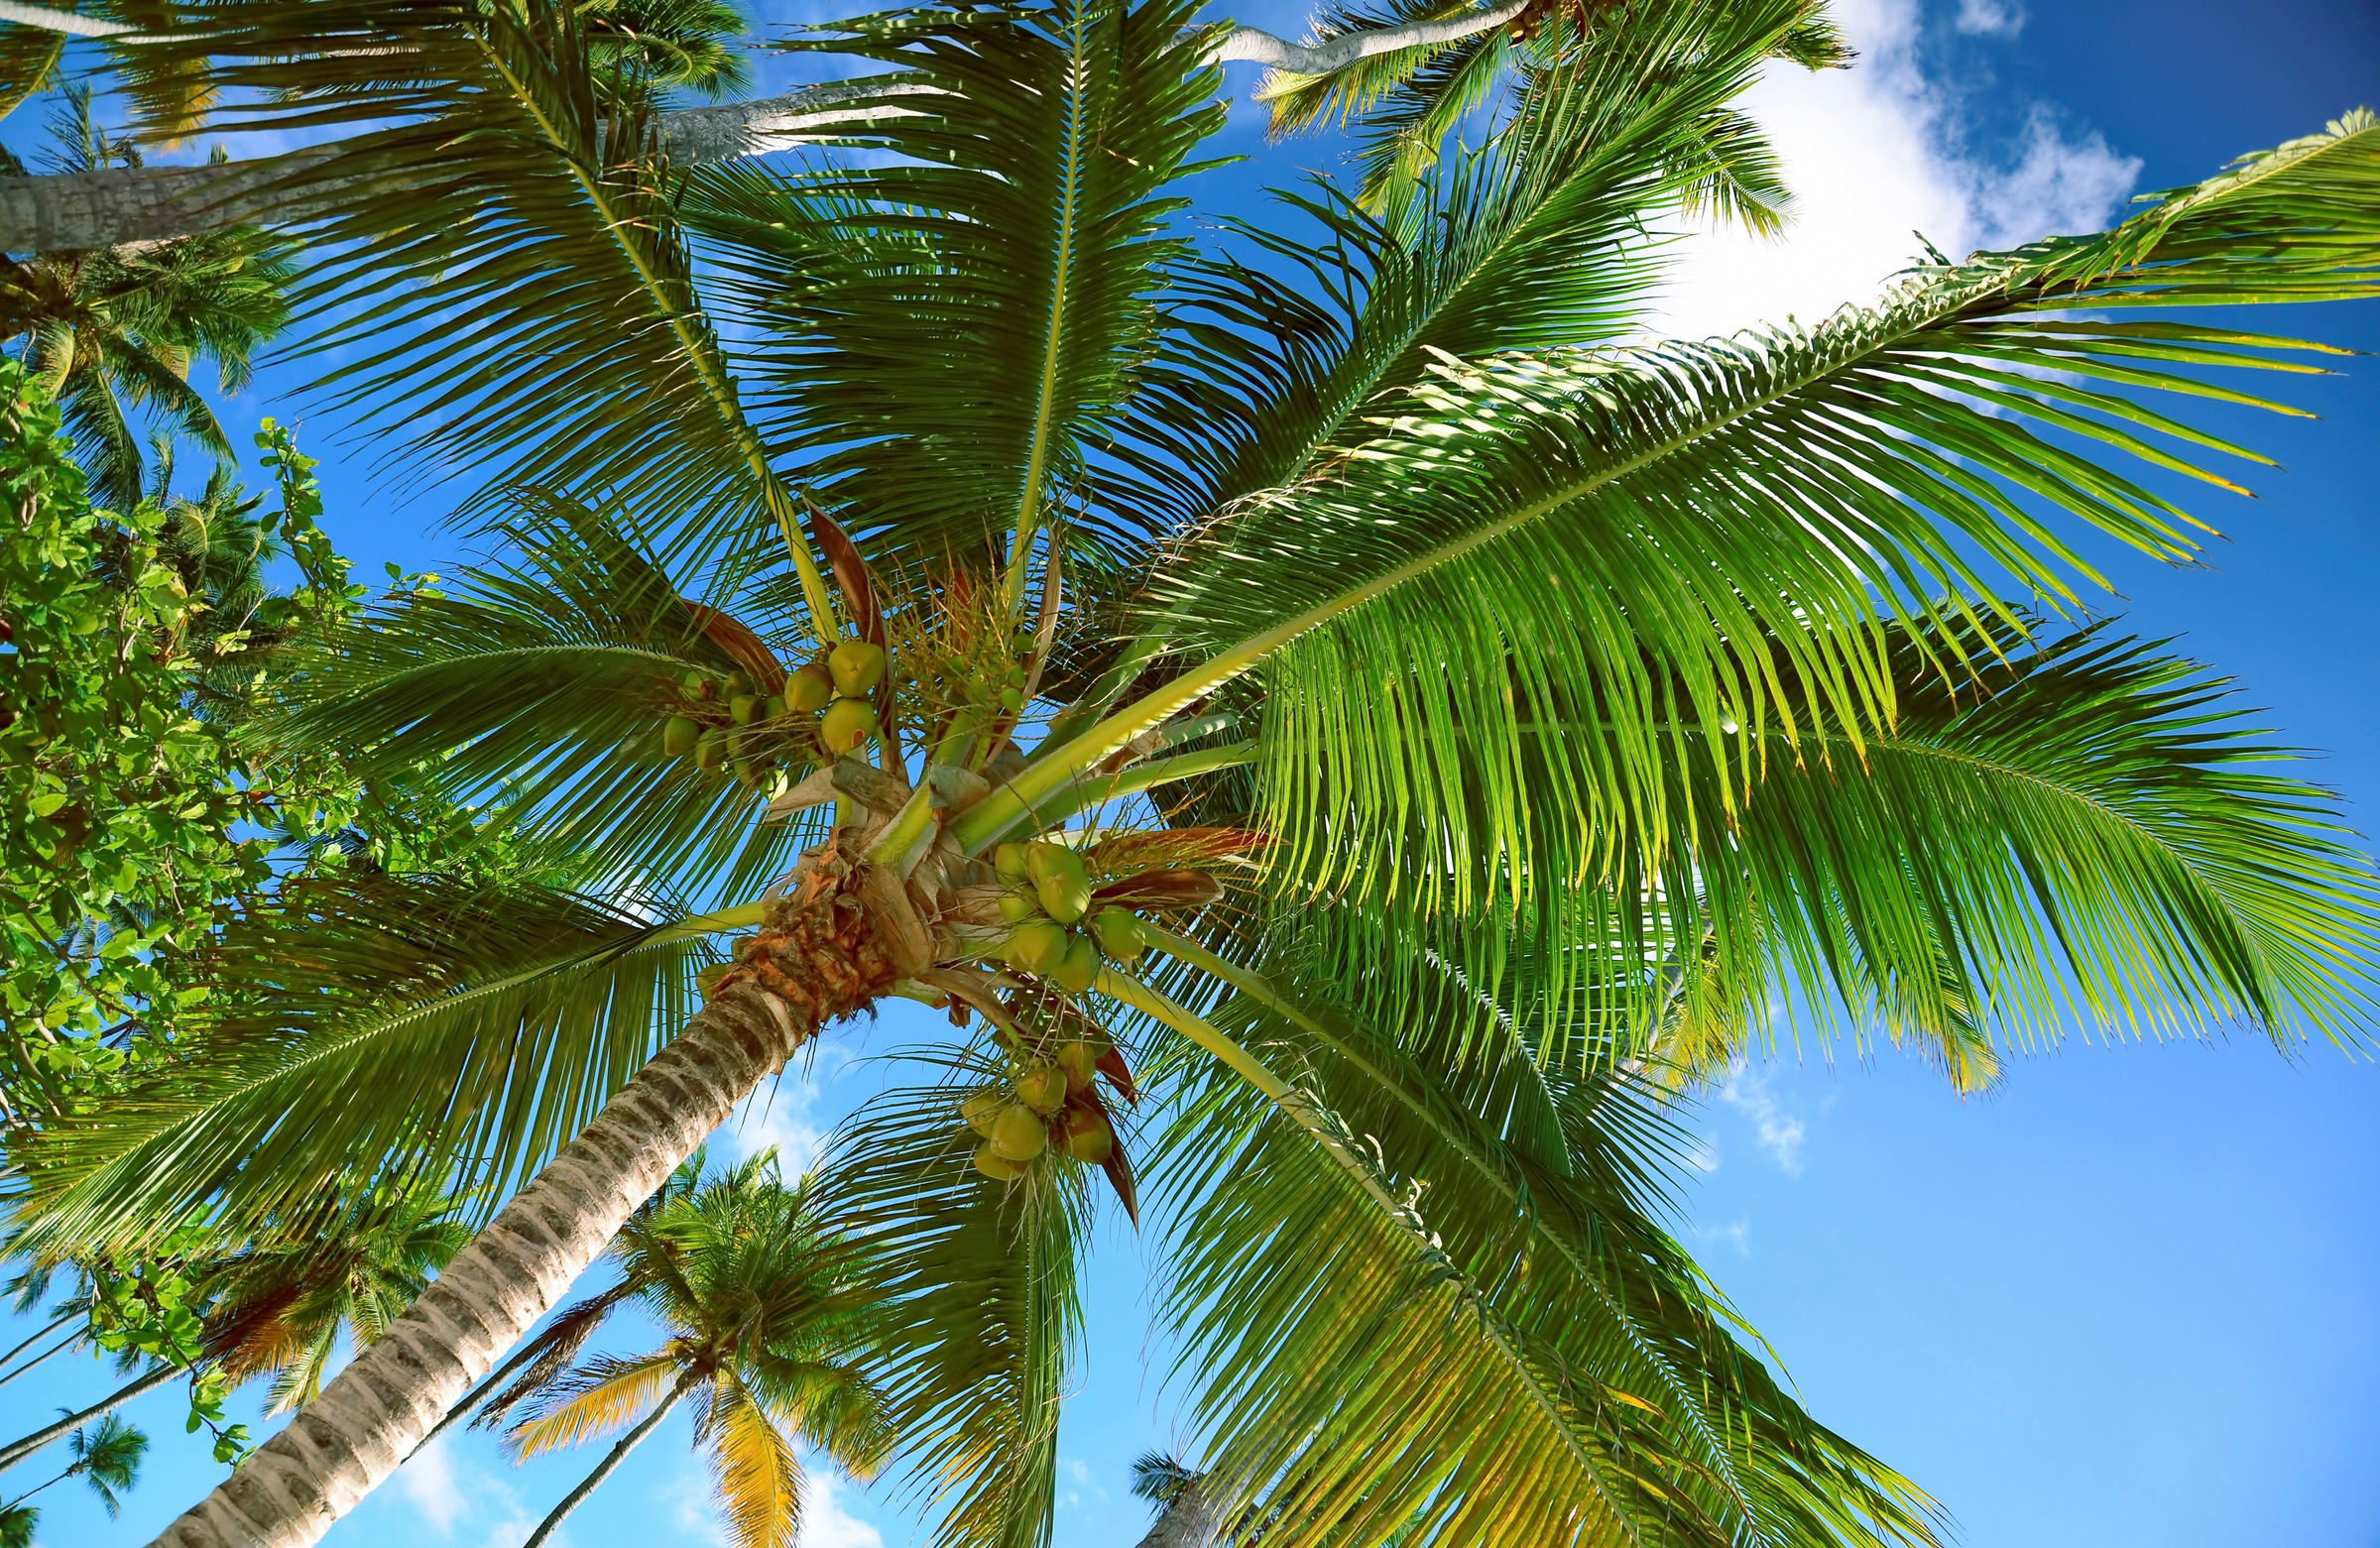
1431,723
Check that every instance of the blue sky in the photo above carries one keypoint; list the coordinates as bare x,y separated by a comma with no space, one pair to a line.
2130,1298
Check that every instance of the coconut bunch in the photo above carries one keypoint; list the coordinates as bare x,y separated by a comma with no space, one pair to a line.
1048,1103
728,722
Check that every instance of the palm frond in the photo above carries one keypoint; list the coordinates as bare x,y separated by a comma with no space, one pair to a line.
501,276
982,1308
754,1468
460,1030
550,679
1464,1336
1574,527
950,328
605,1394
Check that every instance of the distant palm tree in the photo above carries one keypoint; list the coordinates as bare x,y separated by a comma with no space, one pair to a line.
771,1325
278,1308
117,330
107,1457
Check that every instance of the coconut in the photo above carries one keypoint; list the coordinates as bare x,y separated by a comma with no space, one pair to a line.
1017,906
710,750
1018,1134
1080,1061
1044,1089
677,736
1119,935
846,724
744,708
697,685
1008,861
1081,967
981,1108
1087,1135
997,1166
1058,875
808,691
856,666
1037,946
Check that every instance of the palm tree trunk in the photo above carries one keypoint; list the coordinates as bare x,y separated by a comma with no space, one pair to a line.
59,1347
1188,1522
817,957
18,1450
61,1321
611,1458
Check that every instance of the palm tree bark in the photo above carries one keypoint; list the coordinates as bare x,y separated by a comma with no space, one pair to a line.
18,1450
817,957
613,1458
49,1328
1189,1520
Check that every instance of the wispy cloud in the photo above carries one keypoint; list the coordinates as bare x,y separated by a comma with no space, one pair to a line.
1780,1133
1990,17
1875,155
461,1503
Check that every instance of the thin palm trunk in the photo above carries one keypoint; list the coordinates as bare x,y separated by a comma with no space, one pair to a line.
18,1450
816,958
51,1326
613,1458
54,1349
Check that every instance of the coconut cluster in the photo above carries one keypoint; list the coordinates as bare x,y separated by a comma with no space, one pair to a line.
1047,1104
724,721
1057,932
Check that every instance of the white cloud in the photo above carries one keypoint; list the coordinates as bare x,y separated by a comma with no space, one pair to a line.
1738,1235
1990,17
1781,1133
1875,155
826,1523
447,1493
426,1480
784,1112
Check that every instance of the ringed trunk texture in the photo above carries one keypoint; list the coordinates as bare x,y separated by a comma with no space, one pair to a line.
1189,1522
817,957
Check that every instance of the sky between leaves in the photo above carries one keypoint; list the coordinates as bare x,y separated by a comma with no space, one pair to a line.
2133,1297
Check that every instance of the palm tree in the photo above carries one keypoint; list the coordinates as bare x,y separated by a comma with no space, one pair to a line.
118,329
277,1309
107,1457
769,1321
1332,688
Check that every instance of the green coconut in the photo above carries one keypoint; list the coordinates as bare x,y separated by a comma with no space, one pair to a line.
1042,1089
808,691
997,1166
845,725
678,735
1080,1061
1008,861
1081,967
1018,1134
1086,1136
1119,934
856,666
1059,877
710,750
1038,945
981,1108
744,708
1017,906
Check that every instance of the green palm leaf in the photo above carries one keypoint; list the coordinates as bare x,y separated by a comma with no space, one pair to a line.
454,1028
1465,1330
950,330
984,1317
